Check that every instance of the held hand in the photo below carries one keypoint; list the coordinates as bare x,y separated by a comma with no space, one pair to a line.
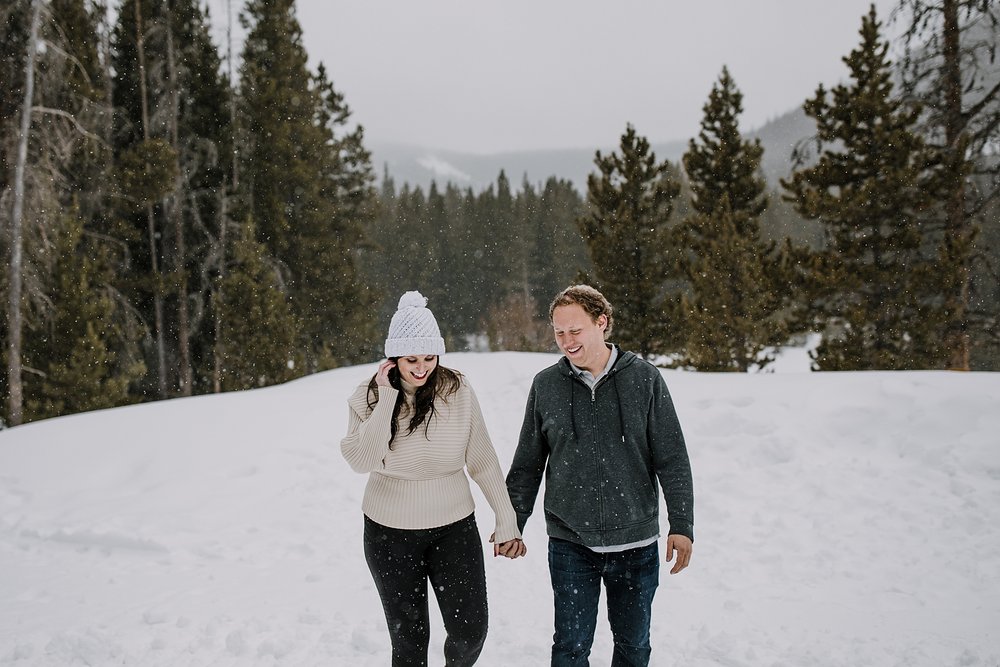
683,546
382,376
512,549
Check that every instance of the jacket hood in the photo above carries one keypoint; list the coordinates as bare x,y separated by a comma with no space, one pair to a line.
624,359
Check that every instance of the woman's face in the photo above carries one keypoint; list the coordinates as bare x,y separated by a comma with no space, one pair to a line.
416,369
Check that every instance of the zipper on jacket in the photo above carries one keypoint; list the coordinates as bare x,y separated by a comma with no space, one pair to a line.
593,390
600,454
597,444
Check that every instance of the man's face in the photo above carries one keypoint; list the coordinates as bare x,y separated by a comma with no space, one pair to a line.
580,338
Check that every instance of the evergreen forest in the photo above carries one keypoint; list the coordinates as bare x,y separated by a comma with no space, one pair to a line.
181,217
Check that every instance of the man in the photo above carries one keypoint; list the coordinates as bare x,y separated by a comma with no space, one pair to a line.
601,426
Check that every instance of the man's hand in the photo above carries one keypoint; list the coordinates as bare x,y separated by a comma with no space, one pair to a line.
683,546
510,549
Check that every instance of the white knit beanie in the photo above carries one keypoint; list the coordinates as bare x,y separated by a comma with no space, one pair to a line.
413,329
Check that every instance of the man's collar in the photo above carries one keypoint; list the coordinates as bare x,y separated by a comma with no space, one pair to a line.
612,358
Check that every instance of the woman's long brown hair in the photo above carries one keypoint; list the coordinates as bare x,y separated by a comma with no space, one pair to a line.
442,383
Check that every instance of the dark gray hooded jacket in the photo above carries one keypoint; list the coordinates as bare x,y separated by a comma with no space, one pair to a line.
602,453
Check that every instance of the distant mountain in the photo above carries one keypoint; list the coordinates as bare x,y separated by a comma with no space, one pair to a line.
780,138
419,165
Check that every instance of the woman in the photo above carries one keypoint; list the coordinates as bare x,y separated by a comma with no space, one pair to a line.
415,427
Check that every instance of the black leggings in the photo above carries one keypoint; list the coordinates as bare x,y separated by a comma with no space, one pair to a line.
401,562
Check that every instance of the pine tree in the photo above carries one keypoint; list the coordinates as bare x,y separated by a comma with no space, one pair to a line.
437,256
83,350
512,322
522,245
498,229
374,259
83,94
63,156
464,257
260,341
148,170
412,239
987,354
456,270
485,228
14,33
171,150
15,280
949,66
559,253
199,132
626,231
308,187
730,317
478,256
276,116
721,163
875,287
545,253
737,298
340,301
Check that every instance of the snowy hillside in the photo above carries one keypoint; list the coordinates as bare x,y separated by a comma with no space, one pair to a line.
841,519
418,165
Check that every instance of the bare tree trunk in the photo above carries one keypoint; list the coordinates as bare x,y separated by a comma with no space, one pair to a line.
224,213
105,27
185,379
217,301
15,322
958,225
232,97
161,354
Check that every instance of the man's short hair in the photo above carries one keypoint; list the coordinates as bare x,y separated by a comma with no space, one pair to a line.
588,298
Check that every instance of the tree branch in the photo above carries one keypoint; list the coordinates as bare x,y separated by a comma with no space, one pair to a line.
979,106
65,114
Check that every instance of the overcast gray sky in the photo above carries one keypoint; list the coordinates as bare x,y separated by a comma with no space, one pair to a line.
486,77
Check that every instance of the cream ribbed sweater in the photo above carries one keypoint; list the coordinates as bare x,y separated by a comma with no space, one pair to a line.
420,482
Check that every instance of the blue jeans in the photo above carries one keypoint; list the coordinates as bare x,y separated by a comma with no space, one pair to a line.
630,577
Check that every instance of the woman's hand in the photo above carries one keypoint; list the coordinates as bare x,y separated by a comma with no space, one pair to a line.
382,376
514,548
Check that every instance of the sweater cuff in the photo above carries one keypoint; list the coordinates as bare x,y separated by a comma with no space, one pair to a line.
505,533
681,527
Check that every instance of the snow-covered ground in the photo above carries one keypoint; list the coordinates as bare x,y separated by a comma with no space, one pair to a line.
842,519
